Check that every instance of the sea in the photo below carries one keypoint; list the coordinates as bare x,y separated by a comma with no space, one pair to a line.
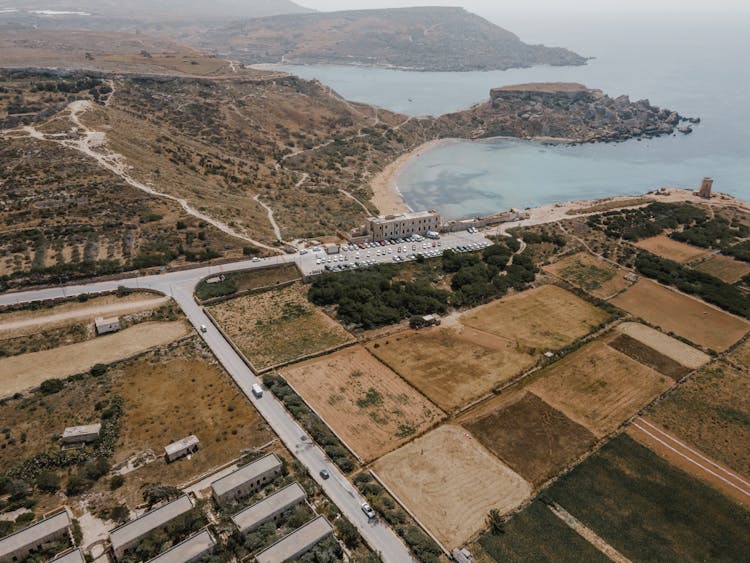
692,64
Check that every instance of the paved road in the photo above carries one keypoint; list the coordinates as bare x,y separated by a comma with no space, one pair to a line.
181,286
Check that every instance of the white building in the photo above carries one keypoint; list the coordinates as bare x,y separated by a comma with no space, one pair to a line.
247,479
270,508
191,549
404,225
104,326
18,545
81,434
297,543
181,448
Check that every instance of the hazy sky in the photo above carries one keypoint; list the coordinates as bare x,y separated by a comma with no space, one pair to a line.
568,6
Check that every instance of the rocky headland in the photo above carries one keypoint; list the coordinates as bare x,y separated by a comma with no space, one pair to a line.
567,112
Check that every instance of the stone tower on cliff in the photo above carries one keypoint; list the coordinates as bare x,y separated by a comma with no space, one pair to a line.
705,189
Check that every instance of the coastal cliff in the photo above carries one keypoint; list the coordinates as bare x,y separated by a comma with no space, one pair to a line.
563,111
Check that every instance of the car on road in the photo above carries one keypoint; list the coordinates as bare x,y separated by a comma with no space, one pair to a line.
204,328
324,473
256,259
367,509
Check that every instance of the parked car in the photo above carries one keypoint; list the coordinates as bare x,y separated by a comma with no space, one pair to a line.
367,509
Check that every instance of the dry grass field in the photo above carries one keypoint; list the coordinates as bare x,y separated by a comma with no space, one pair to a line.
591,274
725,268
672,348
363,401
711,411
277,326
598,387
741,355
544,318
452,366
682,315
450,482
665,247
26,371
534,439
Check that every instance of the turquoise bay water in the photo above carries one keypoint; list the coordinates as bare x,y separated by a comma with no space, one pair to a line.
694,67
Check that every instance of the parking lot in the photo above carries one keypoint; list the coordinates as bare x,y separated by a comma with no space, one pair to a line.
317,260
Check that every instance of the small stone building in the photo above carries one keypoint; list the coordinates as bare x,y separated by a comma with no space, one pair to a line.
81,434
106,325
247,479
18,545
181,448
297,543
270,508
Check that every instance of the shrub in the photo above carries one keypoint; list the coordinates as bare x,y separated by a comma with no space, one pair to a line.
98,370
116,482
51,386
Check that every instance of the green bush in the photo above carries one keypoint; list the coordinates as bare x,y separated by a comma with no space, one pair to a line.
51,386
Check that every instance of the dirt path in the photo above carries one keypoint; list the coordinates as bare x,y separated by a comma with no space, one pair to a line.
91,143
350,196
269,212
84,313
588,534
691,460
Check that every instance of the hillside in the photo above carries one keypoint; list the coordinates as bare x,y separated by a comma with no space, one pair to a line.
440,39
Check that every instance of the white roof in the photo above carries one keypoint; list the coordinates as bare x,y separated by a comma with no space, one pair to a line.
73,431
300,539
107,320
29,535
245,474
404,216
187,550
269,506
131,531
180,445
75,556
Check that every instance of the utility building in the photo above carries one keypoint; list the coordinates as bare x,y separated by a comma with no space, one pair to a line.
396,226
270,508
247,479
298,542
18,545
81,434
181,448
129,534
104,326
192,549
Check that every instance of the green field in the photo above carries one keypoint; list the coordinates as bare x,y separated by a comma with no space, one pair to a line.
538,535
649,510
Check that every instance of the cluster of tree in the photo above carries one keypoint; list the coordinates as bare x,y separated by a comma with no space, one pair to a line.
480,277
68,86
644,222
705,286
714,233
371,298
739,251
310,422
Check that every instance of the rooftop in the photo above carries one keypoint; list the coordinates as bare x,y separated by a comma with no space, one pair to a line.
404,216
107,320
75,556
290,545
179,445
74,431
131,531
269,506
549,87
187,550
244,474
29,535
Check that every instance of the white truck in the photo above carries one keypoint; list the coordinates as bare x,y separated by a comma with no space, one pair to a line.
257,390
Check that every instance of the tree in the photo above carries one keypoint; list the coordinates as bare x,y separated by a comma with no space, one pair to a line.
48,481
51,386
495,522
347,532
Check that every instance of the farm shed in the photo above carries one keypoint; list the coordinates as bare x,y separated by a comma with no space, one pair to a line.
181,448
298,542
269,508
191,549
81,434
106,325
75,556
17,546
247,479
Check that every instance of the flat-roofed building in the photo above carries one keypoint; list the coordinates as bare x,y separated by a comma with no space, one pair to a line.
181,448
247,479
106,325
18,545
298,542
270,508
129,534
81,434
75,556
404,225
195,547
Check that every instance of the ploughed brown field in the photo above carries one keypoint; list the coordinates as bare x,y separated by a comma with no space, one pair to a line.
670,249
725,268
682,315
591,274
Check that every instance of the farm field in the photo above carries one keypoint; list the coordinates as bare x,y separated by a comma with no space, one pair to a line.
452,366
26,371
534,439
711,411
682,315
741,354
591,274
647,356
539,319
363,401
535,534
277,326
651,511
598,387
725,268
672,348
663,246
450,482
156,411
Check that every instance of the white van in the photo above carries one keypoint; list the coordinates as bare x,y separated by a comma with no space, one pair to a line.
257,391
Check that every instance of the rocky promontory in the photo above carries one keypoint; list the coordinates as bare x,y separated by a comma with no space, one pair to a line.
564,111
